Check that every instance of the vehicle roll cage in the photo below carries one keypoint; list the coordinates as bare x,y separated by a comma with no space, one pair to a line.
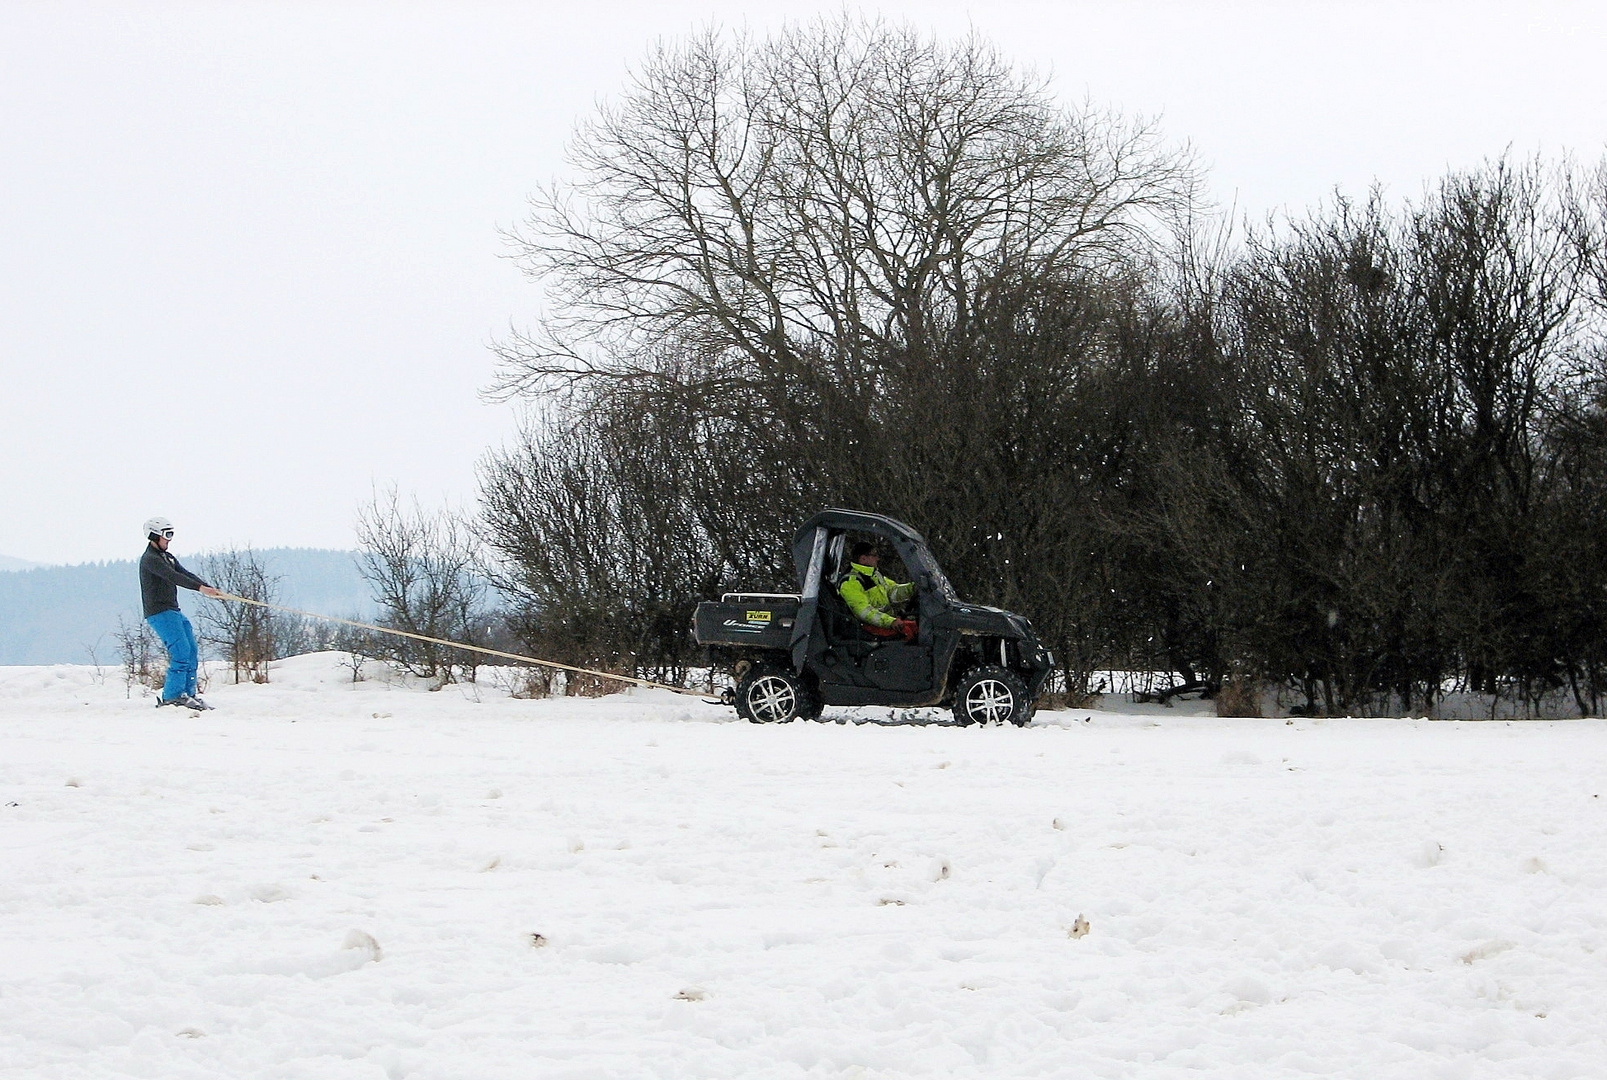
818,546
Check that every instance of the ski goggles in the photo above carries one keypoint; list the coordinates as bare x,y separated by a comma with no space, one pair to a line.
166,534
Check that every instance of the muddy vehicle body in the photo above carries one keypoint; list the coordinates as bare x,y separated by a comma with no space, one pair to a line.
792,654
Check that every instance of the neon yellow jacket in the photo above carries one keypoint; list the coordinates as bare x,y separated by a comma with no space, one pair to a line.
868,595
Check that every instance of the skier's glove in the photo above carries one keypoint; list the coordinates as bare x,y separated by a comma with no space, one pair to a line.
906,627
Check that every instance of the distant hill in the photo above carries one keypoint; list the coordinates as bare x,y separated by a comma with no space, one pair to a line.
65,614
8,563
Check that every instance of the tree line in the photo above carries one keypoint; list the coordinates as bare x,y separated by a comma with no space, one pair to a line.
1359,455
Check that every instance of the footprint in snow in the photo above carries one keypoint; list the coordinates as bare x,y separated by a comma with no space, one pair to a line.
363,942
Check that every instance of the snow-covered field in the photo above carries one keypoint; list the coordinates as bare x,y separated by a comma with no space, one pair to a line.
328,880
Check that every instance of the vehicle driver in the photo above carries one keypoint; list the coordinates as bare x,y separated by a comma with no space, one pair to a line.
869,595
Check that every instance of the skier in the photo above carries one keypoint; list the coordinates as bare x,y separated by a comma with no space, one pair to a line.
160,577
869,595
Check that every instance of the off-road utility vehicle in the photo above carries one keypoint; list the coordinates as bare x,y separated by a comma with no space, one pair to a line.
791,654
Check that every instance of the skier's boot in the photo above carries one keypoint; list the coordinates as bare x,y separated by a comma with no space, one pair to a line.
185,701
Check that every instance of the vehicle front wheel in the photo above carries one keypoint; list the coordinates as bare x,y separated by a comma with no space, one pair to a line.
992,695
767,695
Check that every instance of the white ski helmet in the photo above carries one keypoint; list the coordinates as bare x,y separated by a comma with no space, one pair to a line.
158,526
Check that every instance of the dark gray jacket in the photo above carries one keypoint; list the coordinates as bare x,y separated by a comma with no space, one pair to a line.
160,576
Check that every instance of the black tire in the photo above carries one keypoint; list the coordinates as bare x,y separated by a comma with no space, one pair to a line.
991,695
769,695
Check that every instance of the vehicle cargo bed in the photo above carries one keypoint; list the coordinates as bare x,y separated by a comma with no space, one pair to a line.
755,620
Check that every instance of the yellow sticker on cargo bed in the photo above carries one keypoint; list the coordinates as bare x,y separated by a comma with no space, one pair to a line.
758,616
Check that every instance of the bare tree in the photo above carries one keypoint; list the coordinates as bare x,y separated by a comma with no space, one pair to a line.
144,663
249,636
356,646
845,186
423,569
599,543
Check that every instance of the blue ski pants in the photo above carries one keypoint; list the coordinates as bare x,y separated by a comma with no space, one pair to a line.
182,656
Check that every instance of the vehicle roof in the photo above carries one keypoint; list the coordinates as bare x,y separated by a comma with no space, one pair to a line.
839,518
912,545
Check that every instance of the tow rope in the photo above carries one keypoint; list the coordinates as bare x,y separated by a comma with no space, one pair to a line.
460,645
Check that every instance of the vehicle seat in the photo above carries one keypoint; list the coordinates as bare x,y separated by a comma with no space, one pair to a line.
840,624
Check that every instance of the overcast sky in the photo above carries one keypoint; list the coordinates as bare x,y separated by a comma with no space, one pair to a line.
250,251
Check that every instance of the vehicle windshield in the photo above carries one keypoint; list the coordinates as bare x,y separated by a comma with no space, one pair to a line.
925,568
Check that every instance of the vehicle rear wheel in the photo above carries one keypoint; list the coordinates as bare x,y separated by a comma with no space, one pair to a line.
992,695
768,695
